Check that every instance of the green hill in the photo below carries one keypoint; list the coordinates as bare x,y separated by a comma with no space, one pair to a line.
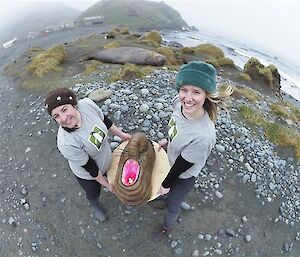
136,14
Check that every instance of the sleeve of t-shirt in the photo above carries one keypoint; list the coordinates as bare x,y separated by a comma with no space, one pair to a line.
108,123
197,151
74,154
180,166
91,167
93,105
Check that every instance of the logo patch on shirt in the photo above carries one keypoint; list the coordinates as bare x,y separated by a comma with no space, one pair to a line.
173,131
97,136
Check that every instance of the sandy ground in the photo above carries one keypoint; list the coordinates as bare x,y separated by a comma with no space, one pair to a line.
58,221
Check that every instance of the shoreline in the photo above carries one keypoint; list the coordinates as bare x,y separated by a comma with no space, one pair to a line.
231,50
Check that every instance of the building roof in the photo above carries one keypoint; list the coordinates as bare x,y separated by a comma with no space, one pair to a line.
90,18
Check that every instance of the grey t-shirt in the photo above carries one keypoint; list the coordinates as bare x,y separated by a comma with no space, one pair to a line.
90,140
193,139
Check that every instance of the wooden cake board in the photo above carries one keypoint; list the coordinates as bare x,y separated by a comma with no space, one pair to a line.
161,167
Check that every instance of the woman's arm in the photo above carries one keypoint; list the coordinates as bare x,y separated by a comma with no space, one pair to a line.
180,166
102,180
118,132
92,168
163,144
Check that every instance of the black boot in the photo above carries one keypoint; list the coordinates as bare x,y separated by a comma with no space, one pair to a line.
97,211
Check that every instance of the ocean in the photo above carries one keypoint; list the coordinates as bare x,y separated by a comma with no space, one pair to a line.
240,54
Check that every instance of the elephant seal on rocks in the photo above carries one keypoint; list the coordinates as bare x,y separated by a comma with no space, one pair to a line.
126,54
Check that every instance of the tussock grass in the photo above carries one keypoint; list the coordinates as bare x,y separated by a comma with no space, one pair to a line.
169,54
210,50
247,92
111,45
187,50
213,62
278,134
267,73
294,110
130,71
285,110
219,62
251,115
148,42
254,65
225,61
244,76
124,31
113,33
49,60
92,67
283,136
153,35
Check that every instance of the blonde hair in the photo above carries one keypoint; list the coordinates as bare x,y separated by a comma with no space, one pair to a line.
215,101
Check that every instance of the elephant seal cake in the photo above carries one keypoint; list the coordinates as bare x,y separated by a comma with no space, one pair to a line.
137,170
133,178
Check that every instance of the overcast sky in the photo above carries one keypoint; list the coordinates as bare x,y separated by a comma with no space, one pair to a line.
268,25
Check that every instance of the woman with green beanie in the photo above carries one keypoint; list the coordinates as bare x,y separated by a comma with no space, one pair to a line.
82,140
191,133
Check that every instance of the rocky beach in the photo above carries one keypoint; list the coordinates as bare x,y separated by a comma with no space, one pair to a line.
245,202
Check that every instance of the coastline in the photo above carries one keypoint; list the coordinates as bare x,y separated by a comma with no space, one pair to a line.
240,54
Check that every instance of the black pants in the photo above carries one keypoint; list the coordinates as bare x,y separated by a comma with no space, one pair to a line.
178,192
92,188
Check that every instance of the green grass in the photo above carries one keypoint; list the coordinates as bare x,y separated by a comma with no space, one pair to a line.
251,115
225,61
286,110
49,60
213,61
254,65
244,76
210,50
92,66
153,35
130,71
169,54
283,136
246,92
276,133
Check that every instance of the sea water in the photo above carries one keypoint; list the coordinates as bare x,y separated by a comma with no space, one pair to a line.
240,54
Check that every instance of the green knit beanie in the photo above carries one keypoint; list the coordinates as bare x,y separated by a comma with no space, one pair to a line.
198,74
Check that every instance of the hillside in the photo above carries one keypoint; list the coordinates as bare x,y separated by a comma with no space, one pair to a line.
35,18
136,14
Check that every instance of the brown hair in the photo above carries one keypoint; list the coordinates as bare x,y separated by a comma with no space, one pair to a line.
215,101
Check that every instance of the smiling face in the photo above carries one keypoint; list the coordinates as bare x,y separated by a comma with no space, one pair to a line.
192,99
66,116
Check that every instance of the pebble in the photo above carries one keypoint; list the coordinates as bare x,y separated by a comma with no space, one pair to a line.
205,253
230,232
218,194
247,238
195,253
185,206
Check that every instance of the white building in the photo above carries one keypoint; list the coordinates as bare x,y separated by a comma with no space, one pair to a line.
93,20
